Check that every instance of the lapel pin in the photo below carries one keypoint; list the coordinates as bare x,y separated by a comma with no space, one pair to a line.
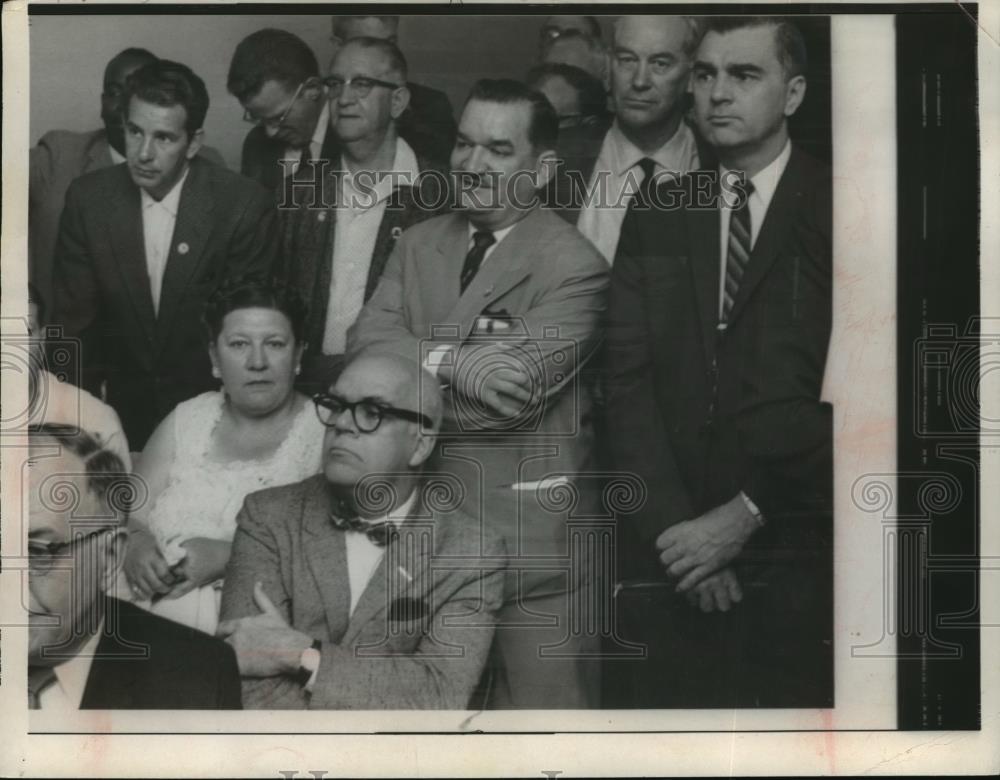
396,232
183,248
488,292
405,573
321,216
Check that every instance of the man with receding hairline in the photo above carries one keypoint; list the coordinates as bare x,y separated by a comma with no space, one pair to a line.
354,589
737,448
428,124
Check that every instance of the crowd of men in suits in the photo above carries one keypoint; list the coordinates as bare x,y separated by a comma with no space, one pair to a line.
576,316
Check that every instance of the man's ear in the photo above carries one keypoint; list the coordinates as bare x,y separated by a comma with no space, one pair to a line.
795,92
426,439
545,168
197,138
400,100
115,546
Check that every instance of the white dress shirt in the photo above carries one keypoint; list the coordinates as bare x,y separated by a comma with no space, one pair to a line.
764,185
364,556
617,177
66,691
361,206
315,144
158,220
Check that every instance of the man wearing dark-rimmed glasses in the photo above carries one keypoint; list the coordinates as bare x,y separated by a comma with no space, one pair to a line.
358,588
276,78
86,649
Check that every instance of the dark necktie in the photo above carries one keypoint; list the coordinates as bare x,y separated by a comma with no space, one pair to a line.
39,678
737,252
481,241
379,534
648,168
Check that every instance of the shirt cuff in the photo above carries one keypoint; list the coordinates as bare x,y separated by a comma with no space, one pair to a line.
436,358
753,509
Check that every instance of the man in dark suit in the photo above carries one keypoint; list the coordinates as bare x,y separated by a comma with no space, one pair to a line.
502,299
358,588
336,242
87,650
428,124
717,340
276,78
141,247
62,155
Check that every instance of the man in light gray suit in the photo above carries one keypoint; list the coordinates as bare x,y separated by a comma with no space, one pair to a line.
503,300
358,588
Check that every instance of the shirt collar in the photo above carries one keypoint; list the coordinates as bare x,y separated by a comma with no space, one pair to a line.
404,165
72,675
765,182
672,156
399,515
168,202
499,235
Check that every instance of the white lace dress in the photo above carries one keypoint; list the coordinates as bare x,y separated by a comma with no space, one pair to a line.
203,496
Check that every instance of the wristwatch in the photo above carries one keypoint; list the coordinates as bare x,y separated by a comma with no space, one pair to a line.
309,662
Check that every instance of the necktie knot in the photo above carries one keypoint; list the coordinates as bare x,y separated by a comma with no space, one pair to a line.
483,239
648,167
379,534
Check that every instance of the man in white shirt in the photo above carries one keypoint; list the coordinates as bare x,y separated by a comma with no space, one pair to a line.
358,588
142,246
338,239
650,67
87,650
276,78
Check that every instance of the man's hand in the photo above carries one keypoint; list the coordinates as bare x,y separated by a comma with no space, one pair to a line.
145,568
265,644
204,563
499,376
694,549
717,591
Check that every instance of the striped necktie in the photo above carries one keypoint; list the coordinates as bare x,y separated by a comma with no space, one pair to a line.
737,252
481,241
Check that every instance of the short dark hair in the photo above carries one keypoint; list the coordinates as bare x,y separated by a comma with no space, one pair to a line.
106,474
339,21
269,55
132,54
253,291
396,58
788,38
590,92
543,132
166,83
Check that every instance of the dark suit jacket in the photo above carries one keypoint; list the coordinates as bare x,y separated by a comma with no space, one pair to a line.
700,415
225,225
145,662
420,633
550,283
261,155
308,236
60,157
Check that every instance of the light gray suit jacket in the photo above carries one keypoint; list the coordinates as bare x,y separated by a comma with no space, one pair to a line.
420,633
549,283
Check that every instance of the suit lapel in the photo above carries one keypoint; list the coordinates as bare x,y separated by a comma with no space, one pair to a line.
394,220
404,570
129,248
703,233
326,557
192,231
784,204
507,266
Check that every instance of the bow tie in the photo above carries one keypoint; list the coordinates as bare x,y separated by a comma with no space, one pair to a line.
379,534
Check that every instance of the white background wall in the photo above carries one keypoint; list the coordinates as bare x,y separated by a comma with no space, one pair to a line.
68,55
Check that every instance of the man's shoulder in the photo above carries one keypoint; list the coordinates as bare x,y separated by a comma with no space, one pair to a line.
138,625
276,501
431,229
428,97
103,180
460,534
561,241
222,179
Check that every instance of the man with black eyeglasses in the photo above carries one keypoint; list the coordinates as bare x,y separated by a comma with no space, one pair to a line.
86,649
276,78
362,587
335,250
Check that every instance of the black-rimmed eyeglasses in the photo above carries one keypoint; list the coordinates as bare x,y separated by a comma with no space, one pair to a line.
45,557
367,413
273,122
362,85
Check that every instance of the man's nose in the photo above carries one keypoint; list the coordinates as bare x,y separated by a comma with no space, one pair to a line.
344,422
640,77
146,149
475,161
721,90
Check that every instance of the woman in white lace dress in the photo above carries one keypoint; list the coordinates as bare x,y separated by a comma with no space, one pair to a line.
213,450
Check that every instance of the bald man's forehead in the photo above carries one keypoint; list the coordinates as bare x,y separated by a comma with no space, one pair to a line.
393,381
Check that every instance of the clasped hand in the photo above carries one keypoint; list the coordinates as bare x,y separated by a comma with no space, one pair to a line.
265,644
500,376
694,549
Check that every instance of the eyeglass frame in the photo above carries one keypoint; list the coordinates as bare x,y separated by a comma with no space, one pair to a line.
384,410
57,551
336,86
271,121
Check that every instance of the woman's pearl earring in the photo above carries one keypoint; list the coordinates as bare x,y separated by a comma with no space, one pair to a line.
216,373
298,370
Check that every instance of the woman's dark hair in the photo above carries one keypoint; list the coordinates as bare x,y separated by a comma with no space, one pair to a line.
253,291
